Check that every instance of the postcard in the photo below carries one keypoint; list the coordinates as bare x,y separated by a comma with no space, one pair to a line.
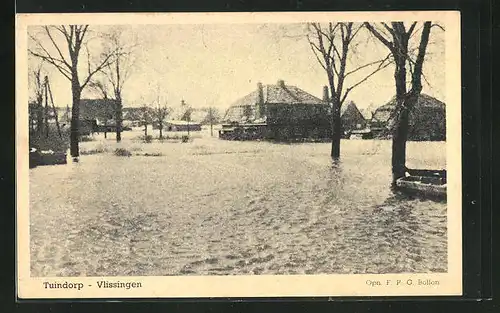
187,155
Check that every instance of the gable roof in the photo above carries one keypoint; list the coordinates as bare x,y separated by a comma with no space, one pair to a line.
424,100
424,103
351,109
279,93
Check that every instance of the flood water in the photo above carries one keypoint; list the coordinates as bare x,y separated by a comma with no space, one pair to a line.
224,208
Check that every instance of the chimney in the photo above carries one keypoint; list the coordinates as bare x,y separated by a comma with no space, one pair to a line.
326,97
260,101
281,83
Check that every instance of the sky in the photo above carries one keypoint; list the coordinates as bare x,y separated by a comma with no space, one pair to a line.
216,64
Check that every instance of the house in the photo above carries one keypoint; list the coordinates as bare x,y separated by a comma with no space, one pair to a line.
427,120
175,125
351,118
95,115
279,112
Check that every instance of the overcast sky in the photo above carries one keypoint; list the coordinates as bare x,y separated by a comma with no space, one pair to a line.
215,64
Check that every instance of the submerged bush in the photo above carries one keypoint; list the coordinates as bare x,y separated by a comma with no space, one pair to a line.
100,148
153,154
122,152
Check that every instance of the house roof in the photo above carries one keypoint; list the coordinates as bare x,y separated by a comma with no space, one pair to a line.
272,94
424,102
279,93
348,106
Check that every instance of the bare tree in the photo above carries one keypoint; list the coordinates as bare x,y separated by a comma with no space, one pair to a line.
101,89
36,105
333,44
65,55
146,117
160,112
213,117
48,92
396,37
186,113
117,73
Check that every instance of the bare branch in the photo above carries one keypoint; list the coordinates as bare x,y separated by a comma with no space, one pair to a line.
107,60
381,38
367,65
391,31
330,38
56,62
438,26
416,83
379,68
355,33
55,46
314,48
412,27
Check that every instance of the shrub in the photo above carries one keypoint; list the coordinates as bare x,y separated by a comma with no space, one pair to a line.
148,139
98,149
185,138
122,152
53,142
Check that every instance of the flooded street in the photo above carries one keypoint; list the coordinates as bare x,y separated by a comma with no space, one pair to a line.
224,208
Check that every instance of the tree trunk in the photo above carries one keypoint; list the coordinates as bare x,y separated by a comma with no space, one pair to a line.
75,120
119,118
56,117
145,129
336,130
160,126
400,130
399,138
335,120
106,129
46,112
39,116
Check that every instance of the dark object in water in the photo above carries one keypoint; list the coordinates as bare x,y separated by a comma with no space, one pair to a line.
52,157
427,183
34,159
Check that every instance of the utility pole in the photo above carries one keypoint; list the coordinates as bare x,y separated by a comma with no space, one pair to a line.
46,110
53,106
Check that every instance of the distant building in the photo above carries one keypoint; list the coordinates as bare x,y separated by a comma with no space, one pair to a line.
133,114
427,120
183,126
279,112
351,118
96,114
